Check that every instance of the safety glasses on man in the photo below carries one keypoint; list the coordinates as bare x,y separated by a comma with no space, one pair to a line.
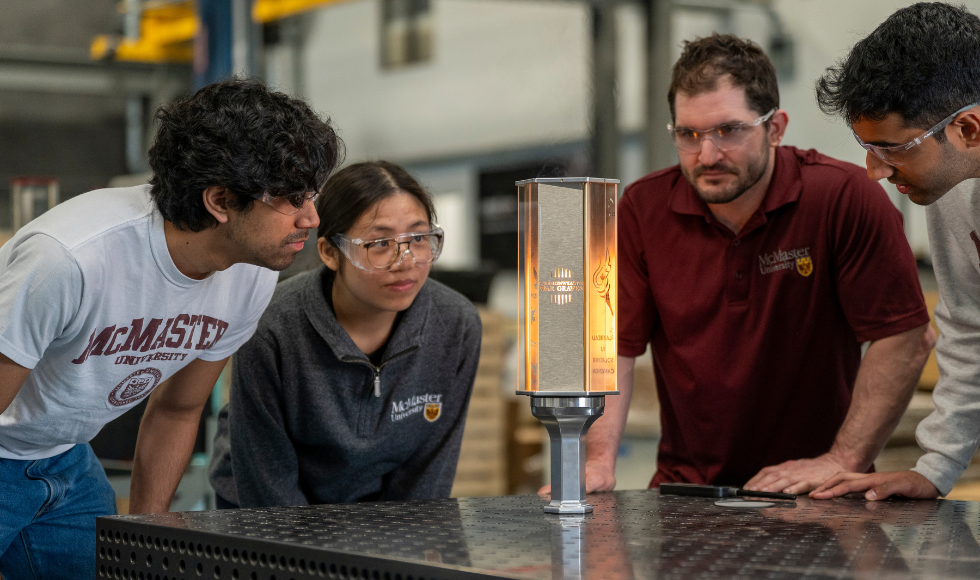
899,154
725,137
387,253
289,204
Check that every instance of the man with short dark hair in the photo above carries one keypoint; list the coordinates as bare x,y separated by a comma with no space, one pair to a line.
120,293
909,91
751,269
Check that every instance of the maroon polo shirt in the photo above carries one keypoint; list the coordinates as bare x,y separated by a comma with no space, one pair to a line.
756,337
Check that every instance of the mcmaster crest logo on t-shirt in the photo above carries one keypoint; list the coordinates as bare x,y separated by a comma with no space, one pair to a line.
162,341
134,387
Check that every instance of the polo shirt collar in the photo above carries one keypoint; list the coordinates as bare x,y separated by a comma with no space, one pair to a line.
784,188
786,183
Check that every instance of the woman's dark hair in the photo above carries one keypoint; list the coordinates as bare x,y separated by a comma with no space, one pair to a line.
705,61
240,135
923,63
355,189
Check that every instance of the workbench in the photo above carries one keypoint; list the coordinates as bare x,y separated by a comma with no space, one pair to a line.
630,535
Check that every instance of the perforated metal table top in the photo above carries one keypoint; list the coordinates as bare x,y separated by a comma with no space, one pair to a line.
631,535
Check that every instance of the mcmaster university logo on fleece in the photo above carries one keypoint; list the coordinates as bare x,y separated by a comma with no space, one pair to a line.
787,260
430,404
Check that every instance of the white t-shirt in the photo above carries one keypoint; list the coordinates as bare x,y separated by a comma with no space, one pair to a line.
91,301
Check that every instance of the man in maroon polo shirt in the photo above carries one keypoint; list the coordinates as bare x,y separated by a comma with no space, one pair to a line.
755,273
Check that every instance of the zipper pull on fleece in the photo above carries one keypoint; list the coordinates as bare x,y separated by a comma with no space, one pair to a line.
377,382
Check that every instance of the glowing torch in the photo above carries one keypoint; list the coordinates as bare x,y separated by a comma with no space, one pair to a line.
567,266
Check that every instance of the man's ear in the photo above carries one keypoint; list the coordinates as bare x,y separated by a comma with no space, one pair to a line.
329,255
777,127
216,198
966,130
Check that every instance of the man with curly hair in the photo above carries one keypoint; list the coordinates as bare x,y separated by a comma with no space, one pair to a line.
122,294
909,91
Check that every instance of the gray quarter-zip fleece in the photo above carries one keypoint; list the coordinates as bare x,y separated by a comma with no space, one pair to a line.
312,420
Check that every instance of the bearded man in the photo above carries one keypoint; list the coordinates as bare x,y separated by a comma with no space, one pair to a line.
753,270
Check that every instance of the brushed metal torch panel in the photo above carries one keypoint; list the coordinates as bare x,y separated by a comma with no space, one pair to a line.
561,246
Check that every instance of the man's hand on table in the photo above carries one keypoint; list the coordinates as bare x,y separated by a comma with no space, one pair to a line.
797,476
877,485
598,477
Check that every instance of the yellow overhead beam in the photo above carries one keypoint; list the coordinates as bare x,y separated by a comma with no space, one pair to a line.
104,46
168,28
167,31
268,10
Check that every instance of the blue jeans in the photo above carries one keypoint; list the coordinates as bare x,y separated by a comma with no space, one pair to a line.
47,515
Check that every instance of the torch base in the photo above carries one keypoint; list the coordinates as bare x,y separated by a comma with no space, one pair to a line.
567,420
568,508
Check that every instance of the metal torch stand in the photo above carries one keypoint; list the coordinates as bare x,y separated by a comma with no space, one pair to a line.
567,419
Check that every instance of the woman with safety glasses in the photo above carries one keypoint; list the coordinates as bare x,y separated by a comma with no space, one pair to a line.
355,384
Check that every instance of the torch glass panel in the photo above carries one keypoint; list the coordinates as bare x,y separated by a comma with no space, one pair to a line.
600,225
527,259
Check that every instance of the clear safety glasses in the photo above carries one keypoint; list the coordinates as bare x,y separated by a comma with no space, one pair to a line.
725,137
288,204
898,154
387,253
